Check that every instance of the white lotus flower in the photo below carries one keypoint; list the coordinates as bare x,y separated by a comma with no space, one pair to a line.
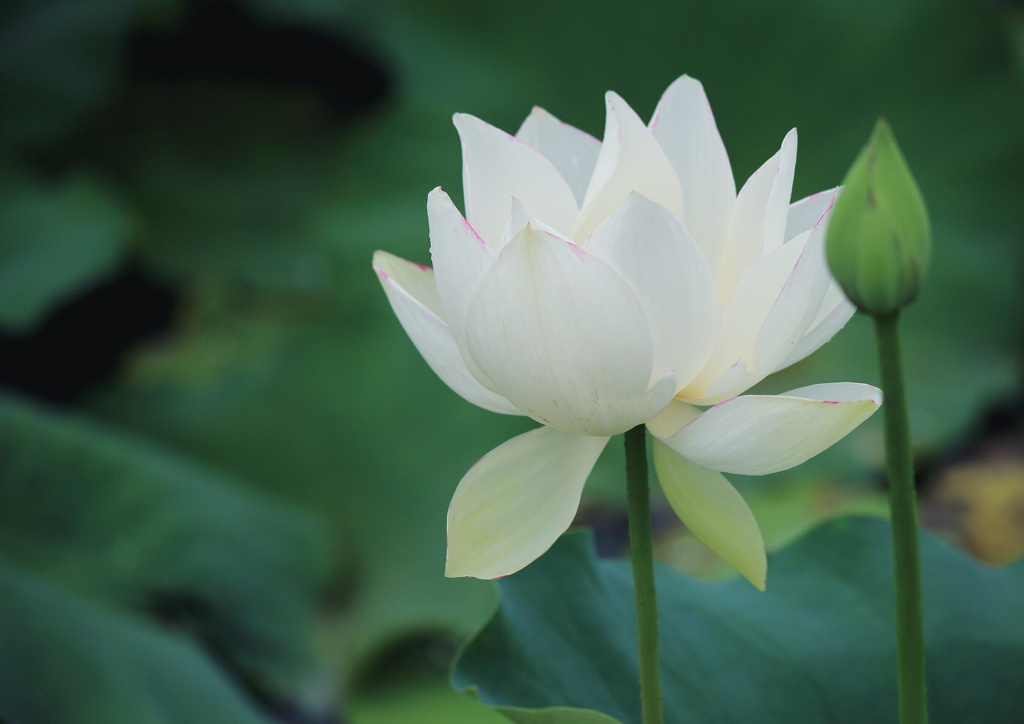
598,286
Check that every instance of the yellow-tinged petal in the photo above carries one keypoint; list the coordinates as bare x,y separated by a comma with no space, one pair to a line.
515,502
672,419
712,509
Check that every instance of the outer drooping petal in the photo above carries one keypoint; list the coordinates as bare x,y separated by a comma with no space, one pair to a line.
713,511
685,128
565,338
660,260
410,289
758,220
630,161
761,434
515,502
572,151
496,167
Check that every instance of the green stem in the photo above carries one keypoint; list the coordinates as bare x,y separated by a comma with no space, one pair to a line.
903,508
642,554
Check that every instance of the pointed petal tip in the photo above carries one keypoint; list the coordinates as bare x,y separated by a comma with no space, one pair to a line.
788,147
437,200
613,100
385,263
467,121
685,81
757,572
452,570
835,393
754,568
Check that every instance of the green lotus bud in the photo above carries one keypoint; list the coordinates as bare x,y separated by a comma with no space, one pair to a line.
879,240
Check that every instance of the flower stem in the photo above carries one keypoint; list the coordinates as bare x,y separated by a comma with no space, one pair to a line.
903,509
642,554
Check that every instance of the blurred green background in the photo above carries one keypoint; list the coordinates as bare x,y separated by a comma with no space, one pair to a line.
224,469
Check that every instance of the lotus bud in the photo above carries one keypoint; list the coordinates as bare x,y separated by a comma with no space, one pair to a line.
879,240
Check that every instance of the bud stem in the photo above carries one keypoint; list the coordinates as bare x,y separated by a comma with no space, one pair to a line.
642,555
903,510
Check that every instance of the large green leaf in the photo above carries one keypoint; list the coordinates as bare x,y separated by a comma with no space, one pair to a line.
65,659
376,448
55,240
817,646
118,520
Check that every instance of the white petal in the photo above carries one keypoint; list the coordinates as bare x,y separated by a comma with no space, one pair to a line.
761,434
515,502
660,260
572,151
758,220
685,128
798,303
769,319
413,295
630,160
805,214
519,217
496,167
736,379
461,259
730,368
712,509
565,338
836,310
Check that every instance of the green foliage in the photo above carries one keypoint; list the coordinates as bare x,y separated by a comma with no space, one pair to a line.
142,533
261,202
65,659
819,645
54,240
555,715
274,402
